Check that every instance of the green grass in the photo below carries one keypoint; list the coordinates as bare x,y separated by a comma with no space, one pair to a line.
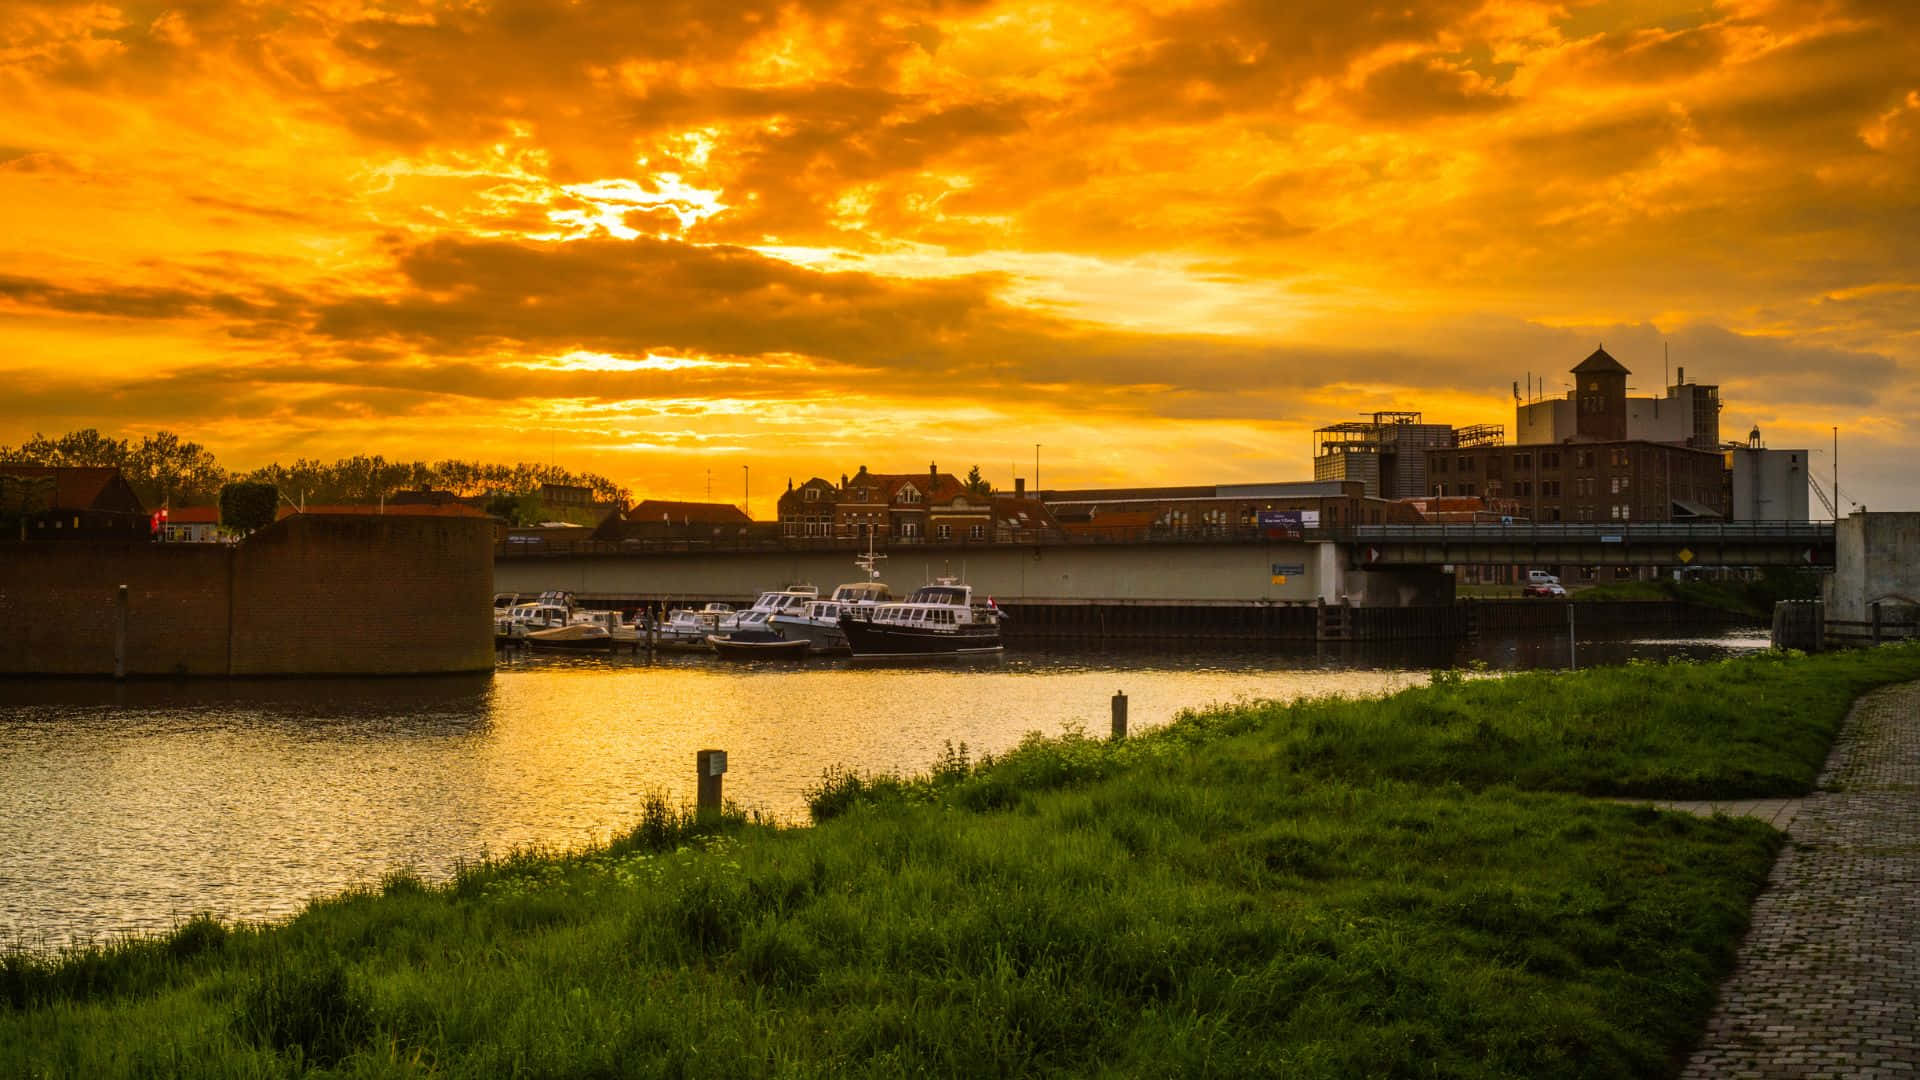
1398,887
1750,598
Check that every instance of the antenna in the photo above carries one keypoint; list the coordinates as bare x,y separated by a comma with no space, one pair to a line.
1666,365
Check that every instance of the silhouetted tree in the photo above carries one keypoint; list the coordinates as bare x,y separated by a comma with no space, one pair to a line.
977,484
248,507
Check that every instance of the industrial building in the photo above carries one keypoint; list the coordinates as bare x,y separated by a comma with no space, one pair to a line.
1388,453
1768,485
1688,415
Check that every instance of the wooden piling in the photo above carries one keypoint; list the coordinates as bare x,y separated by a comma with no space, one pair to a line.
1119,714
120,633
711,766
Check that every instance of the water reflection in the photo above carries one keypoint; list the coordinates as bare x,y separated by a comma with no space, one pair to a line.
131,805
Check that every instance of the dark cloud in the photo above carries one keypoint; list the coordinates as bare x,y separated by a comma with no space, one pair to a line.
1414,90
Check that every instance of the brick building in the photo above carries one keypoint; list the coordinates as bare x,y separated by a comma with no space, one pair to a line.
70,503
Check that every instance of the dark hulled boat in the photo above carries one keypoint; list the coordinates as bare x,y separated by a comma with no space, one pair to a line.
938,619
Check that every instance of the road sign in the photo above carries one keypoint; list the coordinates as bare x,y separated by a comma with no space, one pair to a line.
1610,539
1686,555
1373,554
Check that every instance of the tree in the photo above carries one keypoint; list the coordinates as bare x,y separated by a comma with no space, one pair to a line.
977,484
247,507
164,469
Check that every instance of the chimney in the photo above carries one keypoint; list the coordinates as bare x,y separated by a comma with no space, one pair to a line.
843,480
1019,487
1682,380
933,473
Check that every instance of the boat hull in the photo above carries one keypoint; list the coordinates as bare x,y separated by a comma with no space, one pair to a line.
772,648
867,638
822,640
570,637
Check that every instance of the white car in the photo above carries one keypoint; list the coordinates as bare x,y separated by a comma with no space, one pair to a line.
1541,577
1549,589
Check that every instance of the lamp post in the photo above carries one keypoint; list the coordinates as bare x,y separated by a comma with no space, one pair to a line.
1036,470
746,490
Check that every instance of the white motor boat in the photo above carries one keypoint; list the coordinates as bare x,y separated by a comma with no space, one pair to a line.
688,628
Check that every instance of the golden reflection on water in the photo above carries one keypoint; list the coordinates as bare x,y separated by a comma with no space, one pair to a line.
131,806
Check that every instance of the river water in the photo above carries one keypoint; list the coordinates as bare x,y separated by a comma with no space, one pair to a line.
129,807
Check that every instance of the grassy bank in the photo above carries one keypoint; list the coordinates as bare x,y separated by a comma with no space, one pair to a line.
1753,599
1408,886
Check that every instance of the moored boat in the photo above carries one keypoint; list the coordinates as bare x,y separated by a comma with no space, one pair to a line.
938,619
757,645
577,635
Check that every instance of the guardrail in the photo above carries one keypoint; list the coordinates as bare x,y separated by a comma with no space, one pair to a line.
1594,532
1519,532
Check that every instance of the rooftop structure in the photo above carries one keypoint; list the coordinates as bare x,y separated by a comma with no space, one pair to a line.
1387,453
1598,408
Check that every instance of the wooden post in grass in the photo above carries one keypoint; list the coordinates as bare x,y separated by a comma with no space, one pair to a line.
1876,622
1119,714
1573,654
712,765
120,633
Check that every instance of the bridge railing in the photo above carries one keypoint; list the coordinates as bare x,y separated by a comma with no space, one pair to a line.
1599,531
1485,532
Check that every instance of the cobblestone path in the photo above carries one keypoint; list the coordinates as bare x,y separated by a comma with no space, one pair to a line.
1828,979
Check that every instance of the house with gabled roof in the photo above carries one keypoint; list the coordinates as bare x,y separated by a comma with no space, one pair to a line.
71,503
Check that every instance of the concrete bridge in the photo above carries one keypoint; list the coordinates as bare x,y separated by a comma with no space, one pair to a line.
1366,566
1188,572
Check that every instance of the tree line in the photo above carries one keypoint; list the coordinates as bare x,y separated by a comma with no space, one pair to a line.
166,470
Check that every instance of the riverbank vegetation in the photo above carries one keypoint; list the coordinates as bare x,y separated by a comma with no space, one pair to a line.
1412,885
1751,598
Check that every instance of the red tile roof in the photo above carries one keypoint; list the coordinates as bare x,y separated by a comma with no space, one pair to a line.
680,513
193,515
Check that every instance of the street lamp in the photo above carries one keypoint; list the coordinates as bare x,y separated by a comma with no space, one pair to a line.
746,490
1036,470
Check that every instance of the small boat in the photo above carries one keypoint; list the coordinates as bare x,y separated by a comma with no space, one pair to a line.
792,599
757,645
551,610
687,628
578,635
819,621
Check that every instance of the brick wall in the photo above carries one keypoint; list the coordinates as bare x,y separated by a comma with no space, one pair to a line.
57,601
311,595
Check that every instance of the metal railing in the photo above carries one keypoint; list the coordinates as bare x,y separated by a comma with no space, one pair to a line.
1798,532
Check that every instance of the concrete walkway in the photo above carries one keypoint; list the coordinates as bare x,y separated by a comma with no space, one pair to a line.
1827,982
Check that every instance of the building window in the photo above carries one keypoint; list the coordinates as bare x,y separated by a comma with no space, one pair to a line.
1618,459
1439,463
1549,459
909,495
812,494
1466,489
1622,513
1466,464
977,532
1523,487
910,529
1582,458
1522,461
944,532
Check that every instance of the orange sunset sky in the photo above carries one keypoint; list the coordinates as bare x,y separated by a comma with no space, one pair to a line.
1164,239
